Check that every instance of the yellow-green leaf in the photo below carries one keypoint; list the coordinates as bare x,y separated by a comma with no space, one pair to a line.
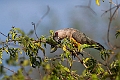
94,77
26,63
64,48
42,49
0,61
66,69
98,2
53,49
6,50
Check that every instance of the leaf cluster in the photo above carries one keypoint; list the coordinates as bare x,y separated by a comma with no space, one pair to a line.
18,43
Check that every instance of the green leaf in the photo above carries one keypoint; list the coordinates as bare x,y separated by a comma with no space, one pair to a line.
53,49
65,68
105,54
117,77
51,32
90,64
42,49
26,63
94,77
99,69
117,33
20,31
1,52
115,67
0,61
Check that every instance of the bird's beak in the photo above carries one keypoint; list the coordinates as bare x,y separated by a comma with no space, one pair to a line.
57,39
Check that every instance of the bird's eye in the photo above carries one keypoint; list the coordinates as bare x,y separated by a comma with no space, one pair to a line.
58,37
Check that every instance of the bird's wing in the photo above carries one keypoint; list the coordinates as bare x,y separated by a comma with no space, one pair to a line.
82,38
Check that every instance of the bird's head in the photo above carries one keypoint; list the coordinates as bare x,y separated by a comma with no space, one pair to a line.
63,33
59,35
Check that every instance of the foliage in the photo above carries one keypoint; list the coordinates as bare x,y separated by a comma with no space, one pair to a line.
53,67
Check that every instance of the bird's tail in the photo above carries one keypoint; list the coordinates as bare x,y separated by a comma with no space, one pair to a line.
99,46
96,45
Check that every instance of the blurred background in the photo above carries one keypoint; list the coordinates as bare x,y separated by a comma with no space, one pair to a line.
62,14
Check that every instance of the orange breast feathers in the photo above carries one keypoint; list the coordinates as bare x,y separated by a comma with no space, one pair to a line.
74,42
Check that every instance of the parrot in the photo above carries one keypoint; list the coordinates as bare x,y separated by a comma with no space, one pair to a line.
77,37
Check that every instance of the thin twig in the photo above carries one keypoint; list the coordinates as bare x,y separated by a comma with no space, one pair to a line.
109,25
108,32
27,75
35,29
40,73
3,34
35,26
88,6
110,9
9,69
48,9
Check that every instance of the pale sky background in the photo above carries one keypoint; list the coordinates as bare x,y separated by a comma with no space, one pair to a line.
20,13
